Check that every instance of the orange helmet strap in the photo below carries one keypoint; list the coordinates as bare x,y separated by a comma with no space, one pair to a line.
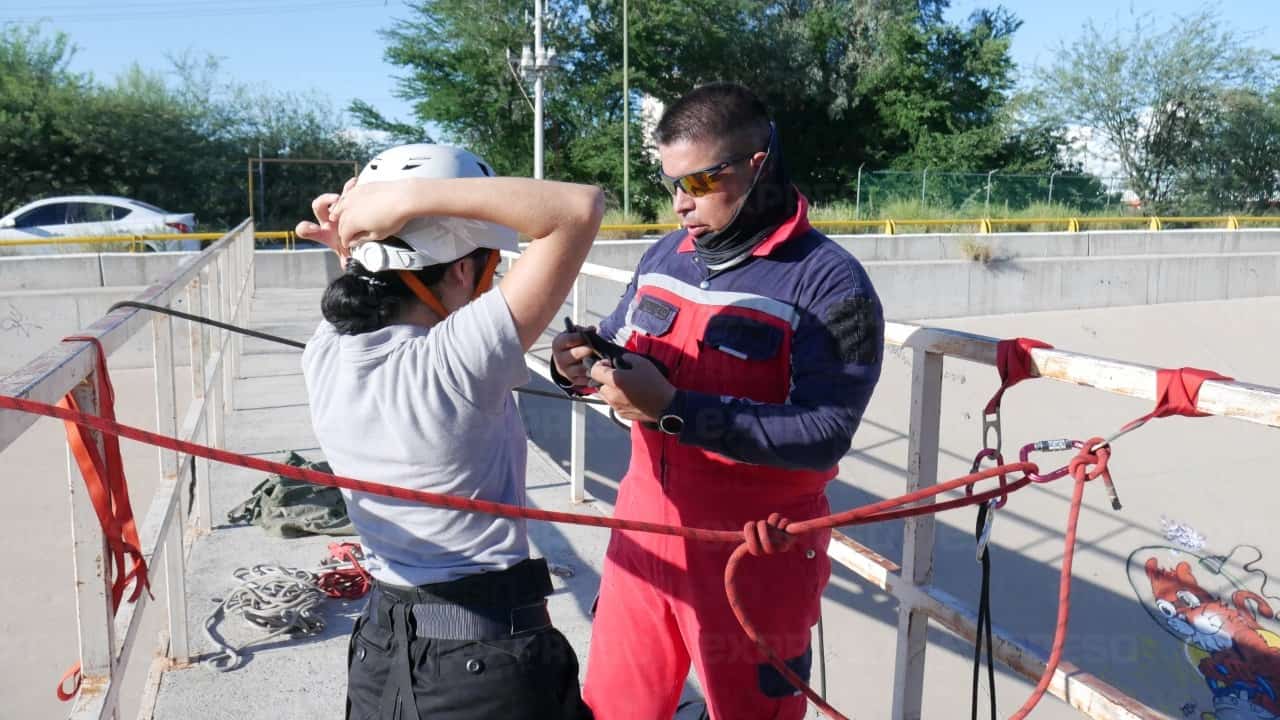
423,293
486,278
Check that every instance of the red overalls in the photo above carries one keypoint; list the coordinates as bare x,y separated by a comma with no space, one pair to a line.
662,601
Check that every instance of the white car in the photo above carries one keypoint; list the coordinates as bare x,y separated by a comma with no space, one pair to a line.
85,215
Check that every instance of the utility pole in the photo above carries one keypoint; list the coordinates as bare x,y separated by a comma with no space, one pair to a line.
857,198
262,183
536,63
626,121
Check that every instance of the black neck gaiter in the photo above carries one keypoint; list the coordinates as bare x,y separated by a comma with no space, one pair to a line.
770,202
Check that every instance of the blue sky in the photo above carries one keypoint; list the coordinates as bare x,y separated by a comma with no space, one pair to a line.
333,45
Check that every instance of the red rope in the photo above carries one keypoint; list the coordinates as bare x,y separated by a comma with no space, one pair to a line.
915,503
1083,473
347,583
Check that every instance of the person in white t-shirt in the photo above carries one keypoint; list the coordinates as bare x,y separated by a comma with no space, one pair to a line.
409,379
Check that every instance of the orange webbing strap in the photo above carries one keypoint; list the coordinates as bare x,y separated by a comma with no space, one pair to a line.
72,673
490,269
427,297
108,490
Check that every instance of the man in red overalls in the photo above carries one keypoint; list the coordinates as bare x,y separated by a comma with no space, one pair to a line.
770,335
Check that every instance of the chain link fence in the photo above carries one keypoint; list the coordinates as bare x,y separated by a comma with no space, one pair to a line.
886,193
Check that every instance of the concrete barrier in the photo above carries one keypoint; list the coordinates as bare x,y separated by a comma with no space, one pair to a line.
139,269
921,290
966,289
40,302
87,270
295,269
33,321
1010,246
50,272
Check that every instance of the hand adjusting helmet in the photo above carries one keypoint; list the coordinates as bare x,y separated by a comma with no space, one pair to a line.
434,240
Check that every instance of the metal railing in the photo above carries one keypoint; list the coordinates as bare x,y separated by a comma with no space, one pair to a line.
216,283
982,226
986,225
912,582
137,243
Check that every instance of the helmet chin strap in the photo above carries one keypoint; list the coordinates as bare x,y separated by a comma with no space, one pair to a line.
429,298
486,278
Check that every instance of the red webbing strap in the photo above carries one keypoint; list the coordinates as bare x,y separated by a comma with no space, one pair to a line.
1013,361
1178,390
108,490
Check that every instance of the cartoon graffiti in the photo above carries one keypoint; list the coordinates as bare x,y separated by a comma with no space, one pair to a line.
1228,629
17,321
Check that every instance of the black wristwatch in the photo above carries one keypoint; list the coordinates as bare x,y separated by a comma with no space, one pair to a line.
671,424
670,421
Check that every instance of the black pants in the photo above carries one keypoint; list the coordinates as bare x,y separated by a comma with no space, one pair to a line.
531,675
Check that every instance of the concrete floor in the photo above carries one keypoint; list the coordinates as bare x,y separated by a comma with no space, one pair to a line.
1214,476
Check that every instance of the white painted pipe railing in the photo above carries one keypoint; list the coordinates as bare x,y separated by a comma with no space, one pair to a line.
217,283
912,581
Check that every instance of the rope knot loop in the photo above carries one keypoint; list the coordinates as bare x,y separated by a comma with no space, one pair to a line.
1090,463
768,537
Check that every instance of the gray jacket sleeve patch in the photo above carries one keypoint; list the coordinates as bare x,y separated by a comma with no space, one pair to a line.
857,324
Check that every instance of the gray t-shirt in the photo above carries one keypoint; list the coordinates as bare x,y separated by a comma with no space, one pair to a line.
428,409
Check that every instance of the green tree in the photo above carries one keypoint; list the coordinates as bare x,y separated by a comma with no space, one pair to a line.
1149,90
885,82
455,53
1237,165
179,142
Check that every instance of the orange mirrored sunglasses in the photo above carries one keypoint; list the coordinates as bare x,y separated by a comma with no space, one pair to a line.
699,182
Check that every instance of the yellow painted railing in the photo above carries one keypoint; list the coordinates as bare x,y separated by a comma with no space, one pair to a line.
136,242
885,226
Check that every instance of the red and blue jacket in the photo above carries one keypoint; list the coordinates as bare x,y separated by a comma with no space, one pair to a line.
774,360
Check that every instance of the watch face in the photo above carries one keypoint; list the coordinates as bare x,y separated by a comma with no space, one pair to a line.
671,424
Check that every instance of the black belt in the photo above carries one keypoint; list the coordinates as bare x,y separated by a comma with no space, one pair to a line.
485,606
454,622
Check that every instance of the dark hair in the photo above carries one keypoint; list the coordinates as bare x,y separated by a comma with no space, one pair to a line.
359,301
721,112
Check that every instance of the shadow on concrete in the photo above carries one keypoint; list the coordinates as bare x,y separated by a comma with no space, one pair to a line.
1110,636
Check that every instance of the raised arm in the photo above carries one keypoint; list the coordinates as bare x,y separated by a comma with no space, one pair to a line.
561,218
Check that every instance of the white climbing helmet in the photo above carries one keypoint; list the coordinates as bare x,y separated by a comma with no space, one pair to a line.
435,240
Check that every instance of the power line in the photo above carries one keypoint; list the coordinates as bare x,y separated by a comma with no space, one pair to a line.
203,11
172,5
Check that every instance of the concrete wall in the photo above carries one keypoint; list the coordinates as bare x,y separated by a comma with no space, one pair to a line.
31,322
46,298
964,288
43,299
50,272
87,270
918,290
295,269
1009,246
